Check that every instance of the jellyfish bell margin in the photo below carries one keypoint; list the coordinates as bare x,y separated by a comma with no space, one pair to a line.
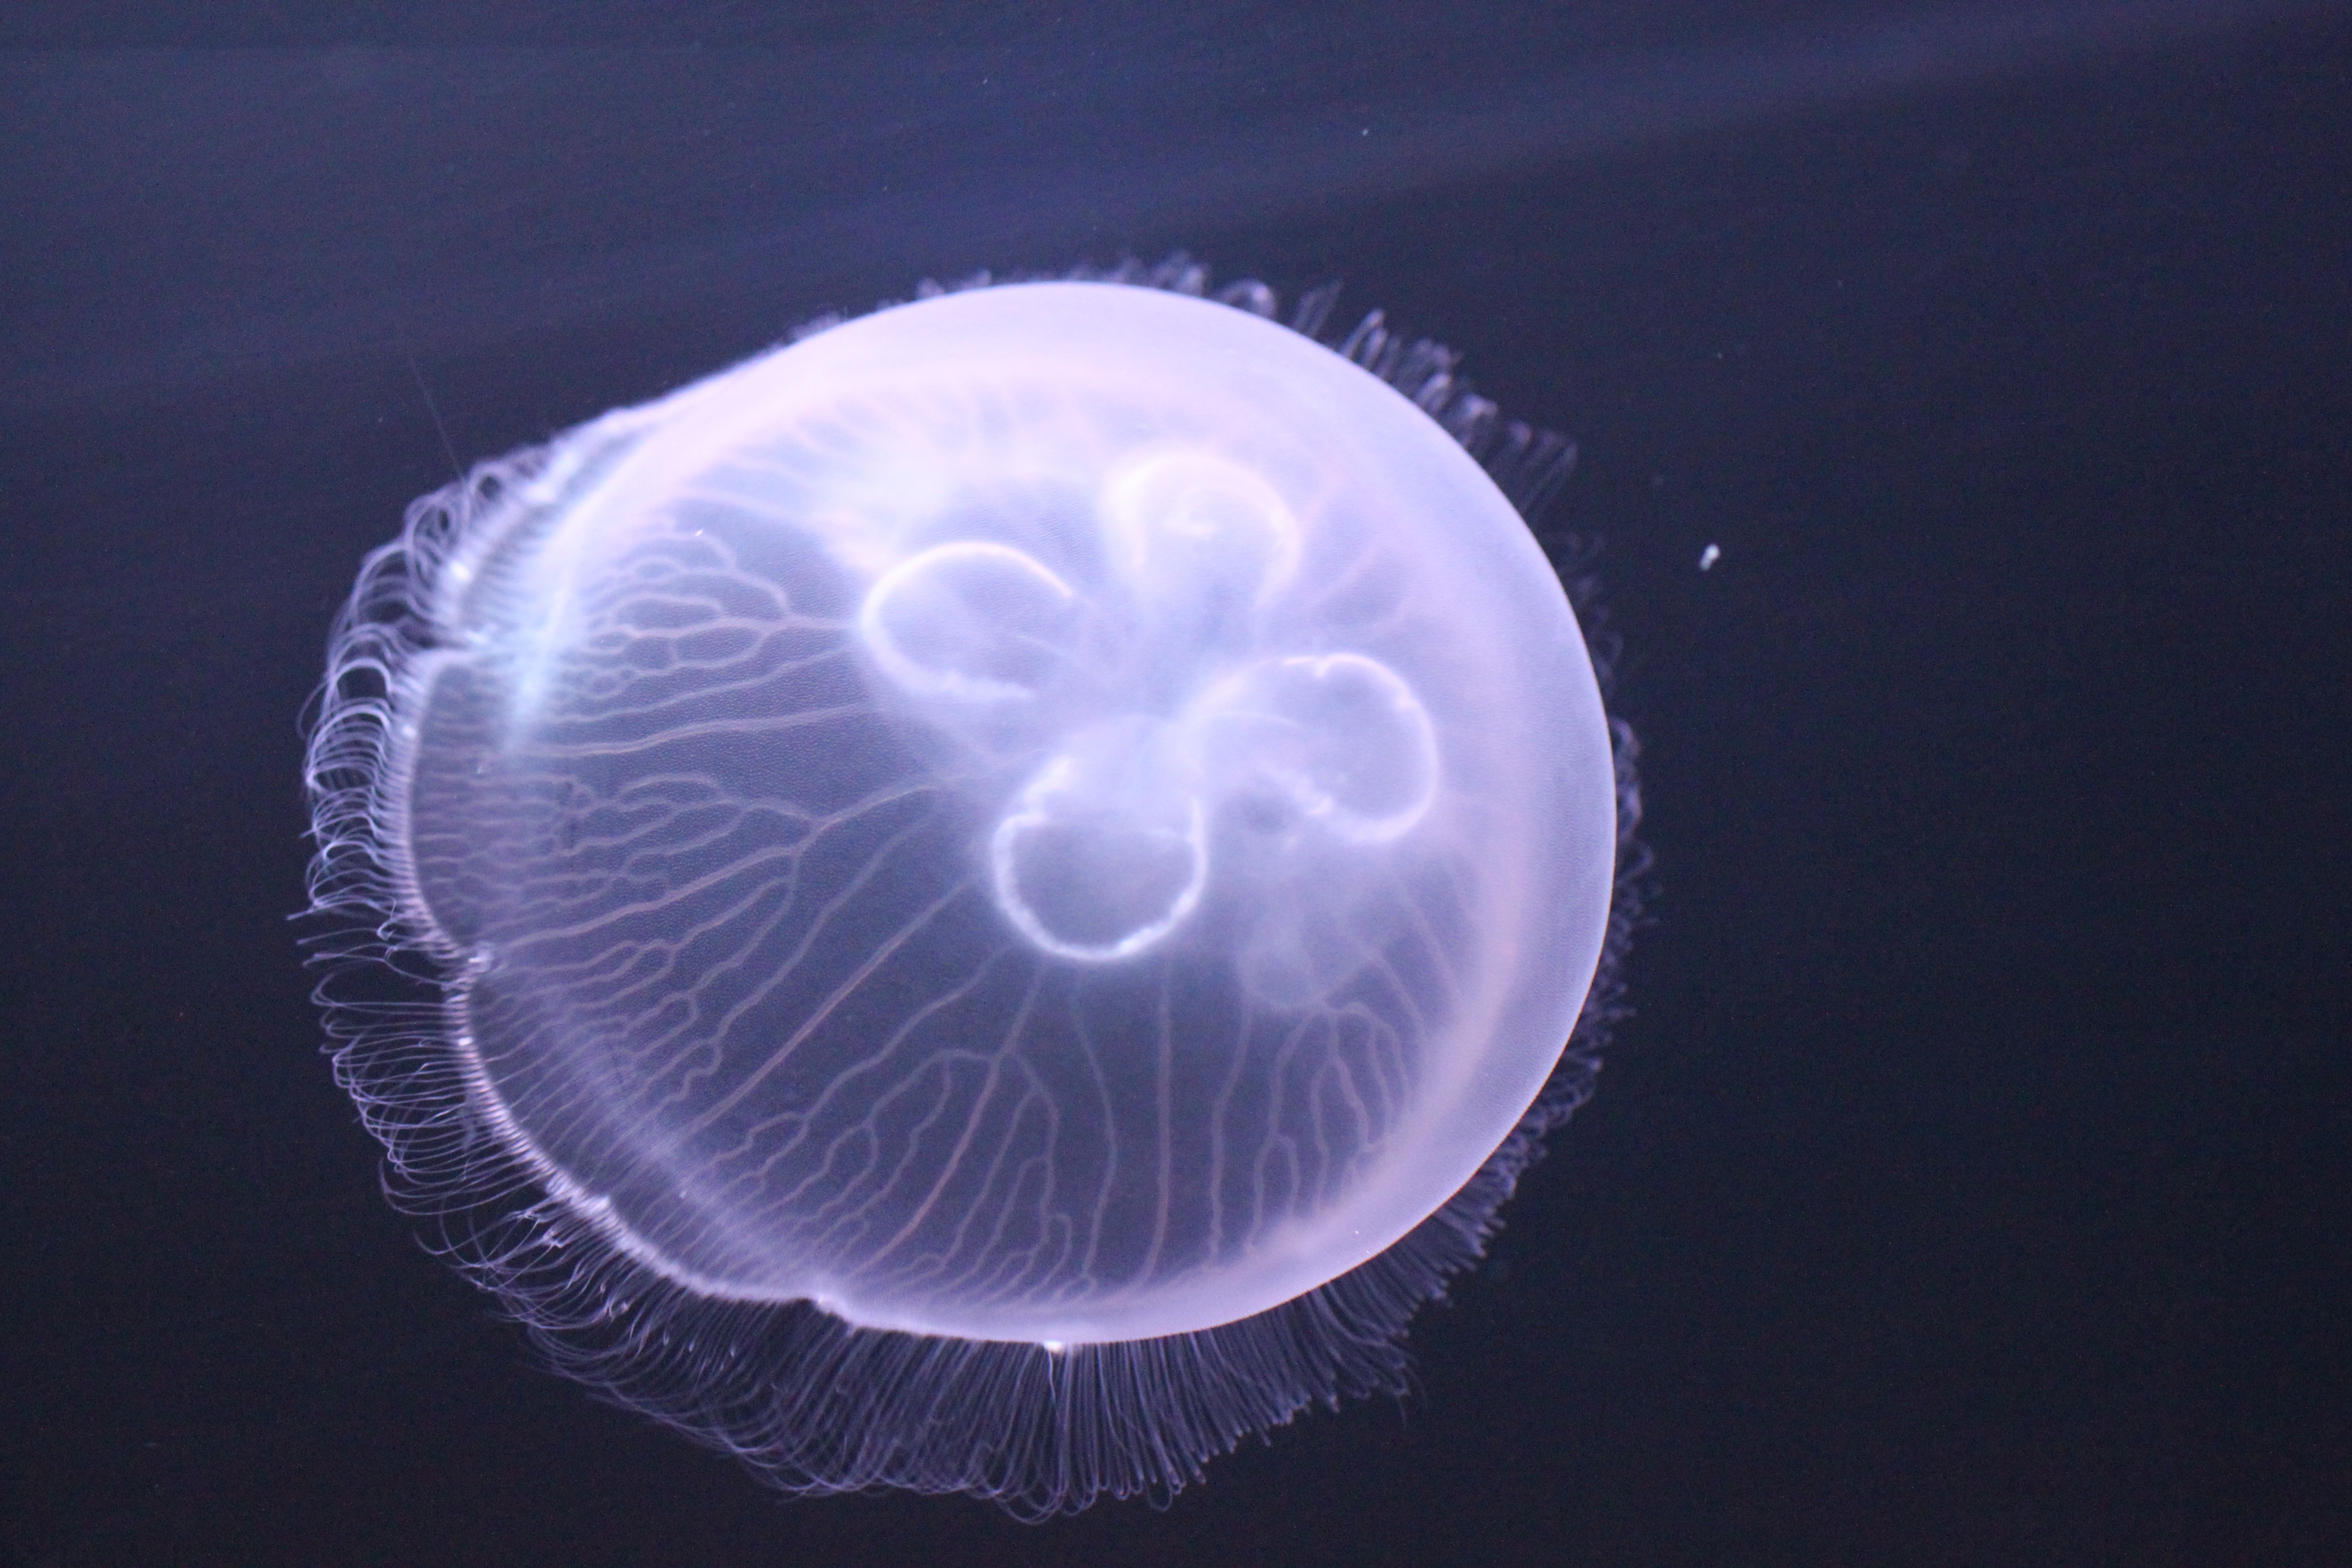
788,882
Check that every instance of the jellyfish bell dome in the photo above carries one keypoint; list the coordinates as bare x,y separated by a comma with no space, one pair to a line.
1064,814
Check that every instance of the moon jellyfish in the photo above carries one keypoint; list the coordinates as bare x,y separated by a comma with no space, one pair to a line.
988,900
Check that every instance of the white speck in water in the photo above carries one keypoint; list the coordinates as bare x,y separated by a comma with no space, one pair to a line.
1709,556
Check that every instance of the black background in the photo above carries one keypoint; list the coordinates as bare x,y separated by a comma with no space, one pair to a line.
1972,1187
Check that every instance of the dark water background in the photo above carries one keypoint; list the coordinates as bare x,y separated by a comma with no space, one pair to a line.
1972,1185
